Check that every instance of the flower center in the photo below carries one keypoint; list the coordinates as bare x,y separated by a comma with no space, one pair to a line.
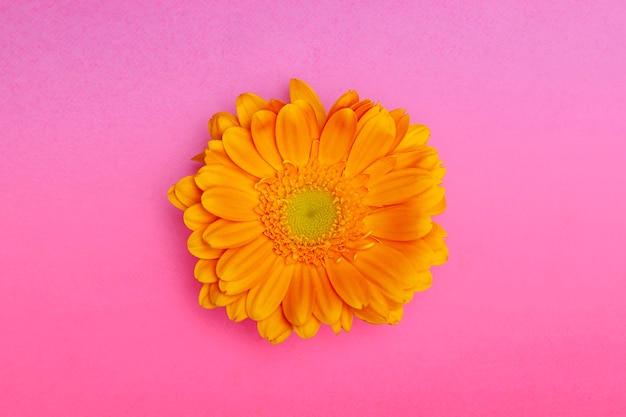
311,214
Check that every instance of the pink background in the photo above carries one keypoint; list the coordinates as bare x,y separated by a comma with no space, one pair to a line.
103,104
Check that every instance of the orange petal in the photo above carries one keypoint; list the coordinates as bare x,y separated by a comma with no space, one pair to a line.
337,137
398,223
237,309
199,248
220,298
231,203
293,135
204,271
220,122
229,175
398,186
264,137
424,280
362,107
299,300
203,297
402,121
309,113
196,217
327,305
425,157
376,311
264,298
348,282
242,270
388,269
371,143
227,234
240,148
300,90
429,202
247,104
416,136
275,328
308,329
348,99
216,155
435,239
171,196
187,191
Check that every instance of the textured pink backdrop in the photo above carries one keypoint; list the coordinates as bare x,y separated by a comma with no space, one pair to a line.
103,103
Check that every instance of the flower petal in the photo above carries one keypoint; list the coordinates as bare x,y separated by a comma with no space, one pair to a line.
171,196
377,311
264,137
309,113
308,329
265,297
275,328
348,282
231,203
398,223
227,234
237,309
212,176
402,121
416,136
187,191
204,271
196,217
199,248
293,135
247,104
371,143
300,90
348,99
240,148
242,270
337,137
398,186
327,305
435,239
203,297
220,122
299,300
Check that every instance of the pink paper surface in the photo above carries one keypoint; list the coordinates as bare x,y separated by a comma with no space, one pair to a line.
103,103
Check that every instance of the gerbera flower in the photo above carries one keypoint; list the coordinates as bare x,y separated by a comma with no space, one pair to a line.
301,217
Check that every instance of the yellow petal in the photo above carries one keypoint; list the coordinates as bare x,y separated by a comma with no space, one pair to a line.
416,136
231,203
346,318
398,223
216,155
327,305
300,90
227,234
308,329
196,217
220,298
264,137
275,328
398,186
337,137
199,248
265,297
425,157
237,309
348,99
212,176
240,148
395,315
376,311
247,104
424,280
293,135
187,191
205,271
429,202
371,143
220,122
348,282
299,300
417,252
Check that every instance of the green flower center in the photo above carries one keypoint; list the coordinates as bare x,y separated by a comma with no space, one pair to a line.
311,214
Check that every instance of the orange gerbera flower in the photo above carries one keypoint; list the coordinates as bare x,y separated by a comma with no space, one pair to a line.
301,217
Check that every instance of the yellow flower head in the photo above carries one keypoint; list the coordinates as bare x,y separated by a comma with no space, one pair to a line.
301,217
